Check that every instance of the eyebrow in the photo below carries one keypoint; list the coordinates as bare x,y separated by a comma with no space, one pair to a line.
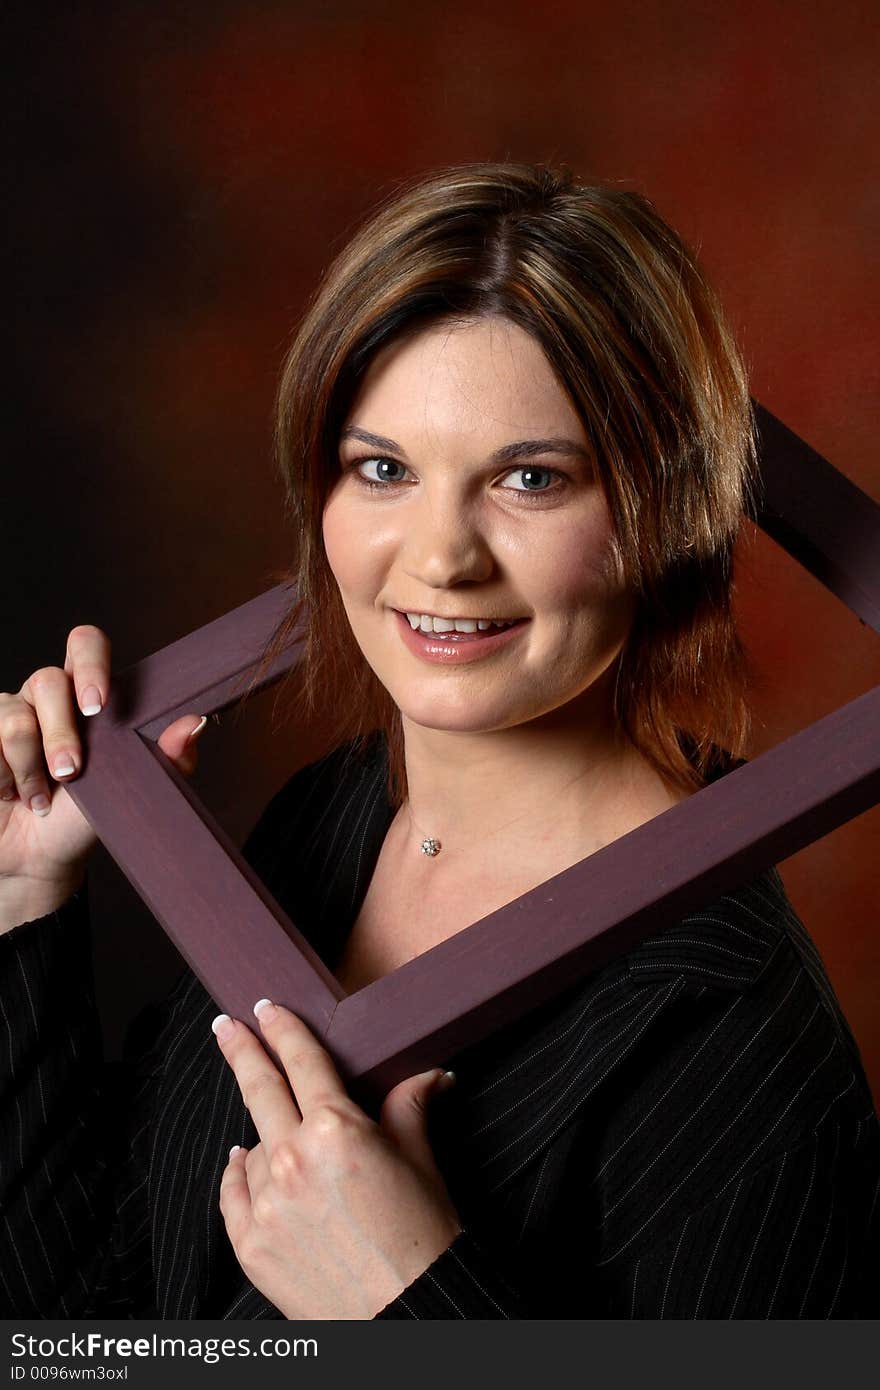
522,448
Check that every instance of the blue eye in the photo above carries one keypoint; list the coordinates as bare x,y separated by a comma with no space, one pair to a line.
383,466
533,479
388,473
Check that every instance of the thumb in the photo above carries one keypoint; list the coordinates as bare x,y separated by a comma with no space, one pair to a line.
404,1114
178,741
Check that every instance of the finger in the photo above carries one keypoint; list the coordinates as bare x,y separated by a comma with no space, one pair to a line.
309,1066
178,741
404,1114
235,1194
256,1167
8,790
87,660
264,1090
37,729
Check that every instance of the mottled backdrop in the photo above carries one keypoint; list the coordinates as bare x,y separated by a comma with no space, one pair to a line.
180,176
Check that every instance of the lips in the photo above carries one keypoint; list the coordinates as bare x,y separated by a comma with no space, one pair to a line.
446,648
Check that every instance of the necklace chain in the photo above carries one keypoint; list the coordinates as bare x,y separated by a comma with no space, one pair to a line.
431,846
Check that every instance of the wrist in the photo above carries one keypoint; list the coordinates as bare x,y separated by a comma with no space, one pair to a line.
27,900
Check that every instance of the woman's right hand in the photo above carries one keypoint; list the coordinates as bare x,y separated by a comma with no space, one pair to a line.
45,839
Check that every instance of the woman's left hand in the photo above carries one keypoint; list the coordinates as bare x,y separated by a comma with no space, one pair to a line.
331,1215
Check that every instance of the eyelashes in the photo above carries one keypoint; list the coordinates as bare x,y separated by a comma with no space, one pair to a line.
388,484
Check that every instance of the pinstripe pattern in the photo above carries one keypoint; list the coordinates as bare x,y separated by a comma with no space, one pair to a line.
688,1133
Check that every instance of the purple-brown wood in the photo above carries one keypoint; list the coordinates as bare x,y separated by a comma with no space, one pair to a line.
195,882
241,944
203,670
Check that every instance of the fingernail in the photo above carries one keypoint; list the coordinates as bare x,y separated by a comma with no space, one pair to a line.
40,805
265,1010
64,766
444,1082
234,1150
194,733
91,700
223,1027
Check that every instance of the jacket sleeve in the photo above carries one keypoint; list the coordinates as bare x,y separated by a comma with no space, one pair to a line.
74,1131
465,1281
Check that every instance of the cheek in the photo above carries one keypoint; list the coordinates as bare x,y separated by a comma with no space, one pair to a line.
355,552
333,530
344,545
580,567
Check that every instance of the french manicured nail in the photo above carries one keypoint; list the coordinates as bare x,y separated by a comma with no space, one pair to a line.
64,766
194,733
444,1082
223,1027
40,805
91,700
234,1150
265,1010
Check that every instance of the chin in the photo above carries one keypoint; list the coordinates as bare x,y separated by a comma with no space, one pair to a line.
433,714
439,709
474,716
444,723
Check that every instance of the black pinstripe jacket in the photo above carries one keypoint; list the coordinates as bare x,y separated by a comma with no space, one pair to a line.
688,1133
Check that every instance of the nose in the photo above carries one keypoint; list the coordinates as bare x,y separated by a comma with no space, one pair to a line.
445,545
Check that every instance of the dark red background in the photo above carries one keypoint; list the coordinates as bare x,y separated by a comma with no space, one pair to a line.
180,181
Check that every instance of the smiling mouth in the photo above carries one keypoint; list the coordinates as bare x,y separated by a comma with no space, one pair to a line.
429,625
444,647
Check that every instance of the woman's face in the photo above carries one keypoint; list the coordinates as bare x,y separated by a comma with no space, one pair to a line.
467,492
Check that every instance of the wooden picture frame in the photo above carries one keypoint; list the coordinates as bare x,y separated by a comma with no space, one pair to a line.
235,936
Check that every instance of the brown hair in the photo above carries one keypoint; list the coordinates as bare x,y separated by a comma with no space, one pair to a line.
638,340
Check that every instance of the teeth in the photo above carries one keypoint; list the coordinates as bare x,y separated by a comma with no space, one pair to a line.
425,623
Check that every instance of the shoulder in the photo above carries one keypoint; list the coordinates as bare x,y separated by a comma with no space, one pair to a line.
751,949
750,1060
725,1025
310,806
725,944
756,1019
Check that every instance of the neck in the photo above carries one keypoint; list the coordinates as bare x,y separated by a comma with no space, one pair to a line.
558,773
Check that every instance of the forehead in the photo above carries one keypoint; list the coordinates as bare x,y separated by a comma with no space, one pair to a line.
486,378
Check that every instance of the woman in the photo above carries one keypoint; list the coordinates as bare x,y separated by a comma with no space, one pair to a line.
516,440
